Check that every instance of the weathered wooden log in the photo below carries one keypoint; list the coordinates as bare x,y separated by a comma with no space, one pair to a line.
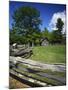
22,52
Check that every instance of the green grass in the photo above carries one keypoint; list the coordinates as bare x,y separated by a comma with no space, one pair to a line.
49,54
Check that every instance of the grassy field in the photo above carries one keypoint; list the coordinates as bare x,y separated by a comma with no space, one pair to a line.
49,54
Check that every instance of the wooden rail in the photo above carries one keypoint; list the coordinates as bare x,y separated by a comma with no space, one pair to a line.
26,80
31,84
32,77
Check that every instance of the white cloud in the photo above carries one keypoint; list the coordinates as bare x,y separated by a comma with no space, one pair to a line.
53,21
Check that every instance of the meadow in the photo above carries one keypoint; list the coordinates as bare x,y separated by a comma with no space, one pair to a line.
50,54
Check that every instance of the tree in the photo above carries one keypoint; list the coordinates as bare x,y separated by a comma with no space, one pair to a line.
56,35
45,33
26,22
59,25
13,36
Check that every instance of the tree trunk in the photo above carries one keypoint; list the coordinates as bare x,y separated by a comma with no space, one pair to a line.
32,44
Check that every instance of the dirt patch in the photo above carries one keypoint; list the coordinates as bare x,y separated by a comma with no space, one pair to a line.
14,84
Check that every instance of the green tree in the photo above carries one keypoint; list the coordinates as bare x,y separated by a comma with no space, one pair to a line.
46,34
59,25
13,36
26,22
56,35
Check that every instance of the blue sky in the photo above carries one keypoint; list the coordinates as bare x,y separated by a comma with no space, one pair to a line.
46,11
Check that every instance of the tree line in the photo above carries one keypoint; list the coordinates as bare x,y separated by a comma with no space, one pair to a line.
26,28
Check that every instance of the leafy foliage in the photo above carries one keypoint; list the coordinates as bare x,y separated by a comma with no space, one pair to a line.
59,24
56,35
26,23
26,28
